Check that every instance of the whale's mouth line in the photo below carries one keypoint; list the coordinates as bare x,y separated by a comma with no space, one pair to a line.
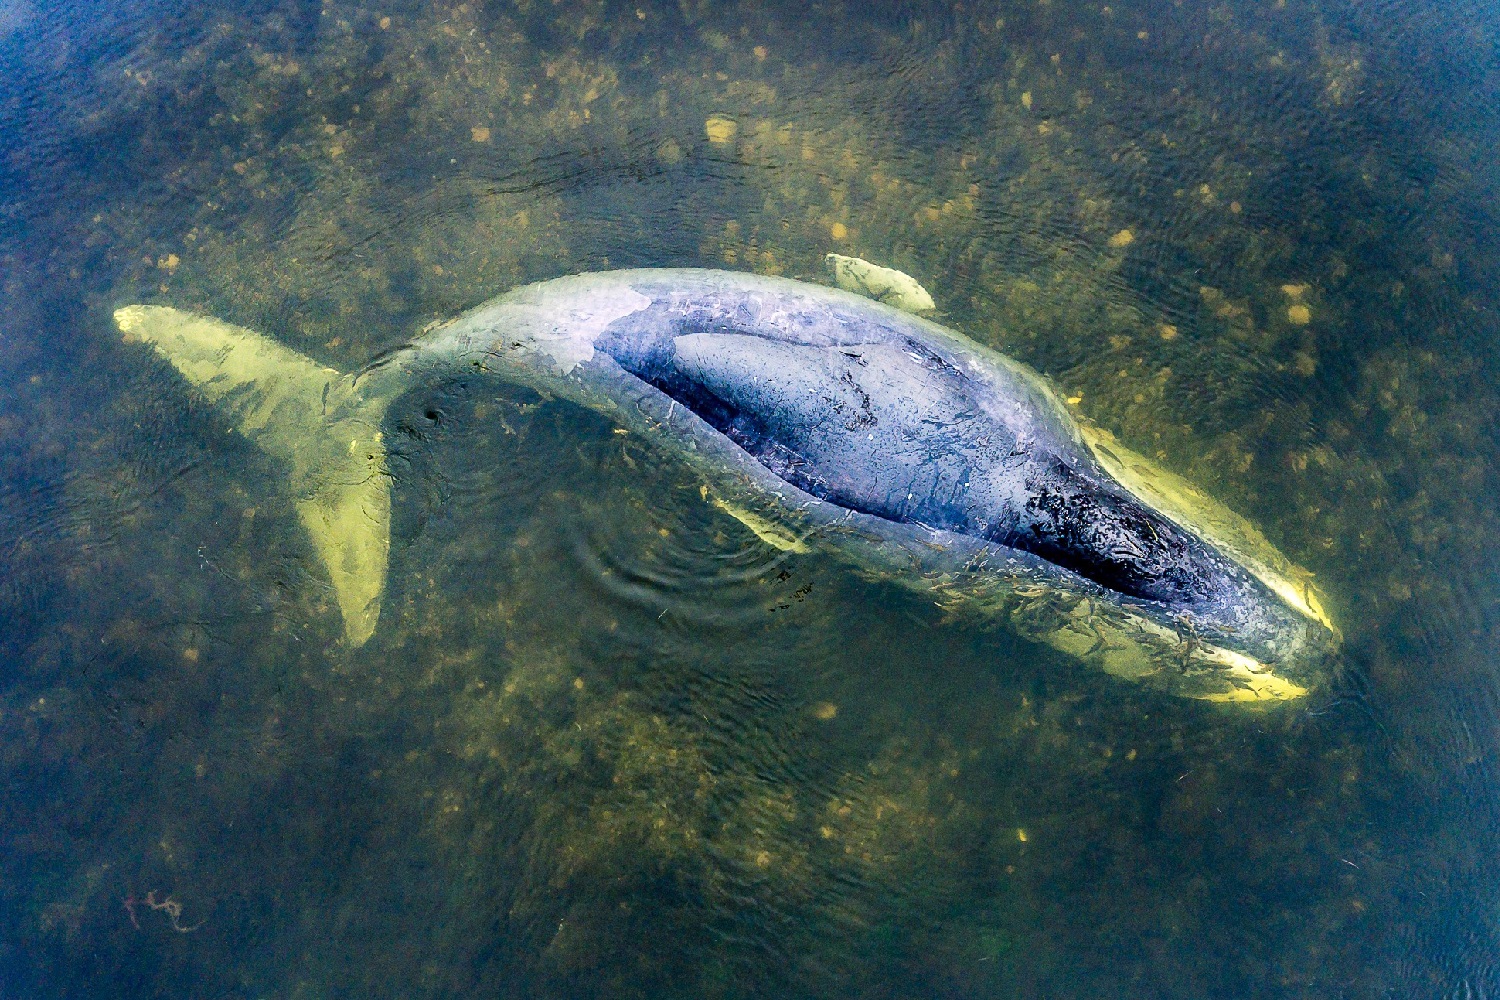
1105,536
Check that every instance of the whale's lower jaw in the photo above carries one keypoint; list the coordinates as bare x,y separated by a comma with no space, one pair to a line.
1136,648
1260,637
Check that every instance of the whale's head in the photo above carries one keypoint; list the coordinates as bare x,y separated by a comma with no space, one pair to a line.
899,425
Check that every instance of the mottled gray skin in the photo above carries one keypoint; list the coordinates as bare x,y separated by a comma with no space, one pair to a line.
929,453
896,431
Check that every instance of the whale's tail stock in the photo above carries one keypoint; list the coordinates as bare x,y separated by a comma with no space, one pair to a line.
321,425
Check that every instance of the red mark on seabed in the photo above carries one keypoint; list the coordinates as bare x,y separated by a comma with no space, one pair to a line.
166,904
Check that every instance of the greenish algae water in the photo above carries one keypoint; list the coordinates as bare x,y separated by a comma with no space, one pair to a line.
607,743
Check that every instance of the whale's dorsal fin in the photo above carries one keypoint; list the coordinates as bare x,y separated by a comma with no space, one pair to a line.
321,425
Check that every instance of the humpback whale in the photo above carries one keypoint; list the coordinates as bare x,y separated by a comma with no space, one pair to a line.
821,420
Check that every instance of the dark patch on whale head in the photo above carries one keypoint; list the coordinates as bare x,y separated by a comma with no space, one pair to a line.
859,416
1114,540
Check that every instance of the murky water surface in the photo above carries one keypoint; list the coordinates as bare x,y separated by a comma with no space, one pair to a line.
605,741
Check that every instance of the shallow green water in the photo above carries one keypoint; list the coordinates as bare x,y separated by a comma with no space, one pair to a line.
607,743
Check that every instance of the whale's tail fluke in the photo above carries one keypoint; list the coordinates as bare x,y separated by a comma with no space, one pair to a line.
321,425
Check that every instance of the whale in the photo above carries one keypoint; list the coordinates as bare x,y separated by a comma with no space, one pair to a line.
823,422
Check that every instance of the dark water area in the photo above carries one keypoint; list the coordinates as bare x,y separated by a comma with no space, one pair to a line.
605,740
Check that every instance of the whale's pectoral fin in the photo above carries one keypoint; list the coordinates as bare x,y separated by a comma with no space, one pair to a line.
883,284
323,426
